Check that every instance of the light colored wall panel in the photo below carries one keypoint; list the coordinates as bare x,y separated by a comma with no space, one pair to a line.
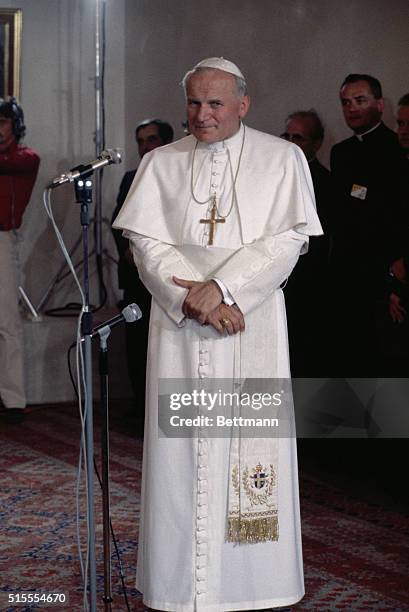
58,98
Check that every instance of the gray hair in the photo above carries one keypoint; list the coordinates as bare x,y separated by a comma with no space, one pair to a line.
241,85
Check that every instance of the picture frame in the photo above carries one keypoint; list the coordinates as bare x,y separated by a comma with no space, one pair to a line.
10,52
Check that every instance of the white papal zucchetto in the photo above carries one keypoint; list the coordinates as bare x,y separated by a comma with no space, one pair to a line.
220,64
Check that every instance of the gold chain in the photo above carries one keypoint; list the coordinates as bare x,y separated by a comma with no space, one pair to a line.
233,178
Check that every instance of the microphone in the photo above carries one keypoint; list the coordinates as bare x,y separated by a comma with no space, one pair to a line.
130,314
107,157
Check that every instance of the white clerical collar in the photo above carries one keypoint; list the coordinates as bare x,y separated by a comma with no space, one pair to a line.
221,145
361,136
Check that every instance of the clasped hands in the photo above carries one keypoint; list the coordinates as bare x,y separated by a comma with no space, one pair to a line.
204,303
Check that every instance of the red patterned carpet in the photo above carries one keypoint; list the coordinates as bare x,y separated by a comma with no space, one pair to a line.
356,555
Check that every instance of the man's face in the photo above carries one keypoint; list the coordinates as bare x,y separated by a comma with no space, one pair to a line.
362,111
214,108
148,139
6,132
299,130
403,127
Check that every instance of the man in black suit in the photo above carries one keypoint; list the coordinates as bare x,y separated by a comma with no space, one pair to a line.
398,301
305,292
370,190
398,320
150,134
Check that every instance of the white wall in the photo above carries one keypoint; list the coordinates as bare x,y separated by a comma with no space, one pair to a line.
58,98
294,54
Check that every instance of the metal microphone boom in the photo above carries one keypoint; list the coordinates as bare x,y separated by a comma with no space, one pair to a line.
130,313
109,156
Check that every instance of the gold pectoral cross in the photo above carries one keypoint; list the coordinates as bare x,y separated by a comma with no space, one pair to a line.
212,221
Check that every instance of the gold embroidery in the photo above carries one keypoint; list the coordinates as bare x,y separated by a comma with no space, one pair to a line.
252,531
255,497
256,474
235,479
256,526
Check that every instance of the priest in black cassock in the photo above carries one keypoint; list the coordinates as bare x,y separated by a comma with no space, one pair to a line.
398,319
306,291
370,196
149,134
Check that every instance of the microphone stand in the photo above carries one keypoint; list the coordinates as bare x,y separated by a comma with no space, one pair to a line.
103,373
83,193
130,314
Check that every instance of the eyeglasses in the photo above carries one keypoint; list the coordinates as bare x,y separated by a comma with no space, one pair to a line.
296,138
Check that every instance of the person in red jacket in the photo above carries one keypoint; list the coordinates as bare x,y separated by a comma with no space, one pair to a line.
18,172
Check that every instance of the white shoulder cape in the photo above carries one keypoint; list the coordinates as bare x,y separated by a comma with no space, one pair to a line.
274,191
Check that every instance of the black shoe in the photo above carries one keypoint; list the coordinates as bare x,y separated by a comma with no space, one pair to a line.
12,415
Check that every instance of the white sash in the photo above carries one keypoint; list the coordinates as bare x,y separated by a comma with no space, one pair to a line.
252,513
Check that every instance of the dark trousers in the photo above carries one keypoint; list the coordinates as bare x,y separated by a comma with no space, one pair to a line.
136,337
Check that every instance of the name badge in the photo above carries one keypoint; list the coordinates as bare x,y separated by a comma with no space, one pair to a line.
359,191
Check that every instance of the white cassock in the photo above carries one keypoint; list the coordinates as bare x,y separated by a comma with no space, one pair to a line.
184,560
